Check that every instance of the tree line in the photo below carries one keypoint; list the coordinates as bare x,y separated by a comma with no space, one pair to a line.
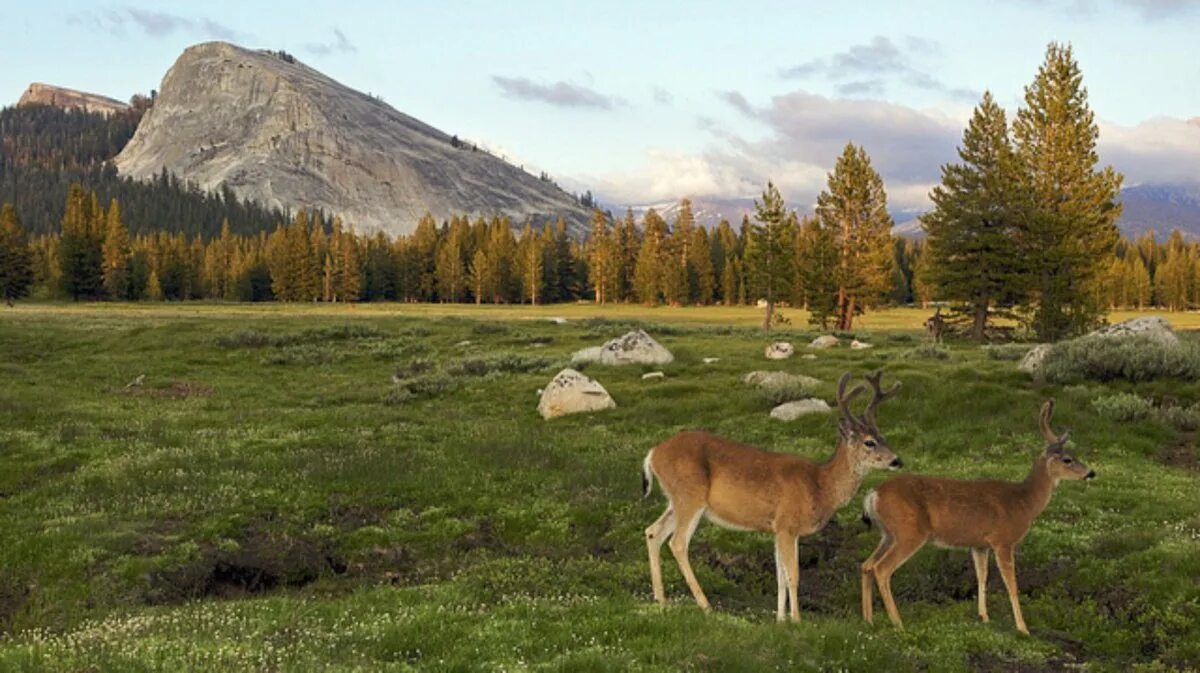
1022,226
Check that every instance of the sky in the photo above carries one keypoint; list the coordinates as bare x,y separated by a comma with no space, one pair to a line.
645,102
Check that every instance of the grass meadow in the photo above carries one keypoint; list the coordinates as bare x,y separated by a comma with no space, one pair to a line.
270,500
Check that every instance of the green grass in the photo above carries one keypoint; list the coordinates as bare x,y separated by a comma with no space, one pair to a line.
270,500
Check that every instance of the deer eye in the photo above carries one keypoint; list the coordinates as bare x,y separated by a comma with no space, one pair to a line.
1067,461
870,443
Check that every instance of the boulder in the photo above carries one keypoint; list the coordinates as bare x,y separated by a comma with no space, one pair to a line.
860,345
1150,327
824,341
774,380
653,375
558,321
790,411
780,350
1032,362
634,348
709,361
572,393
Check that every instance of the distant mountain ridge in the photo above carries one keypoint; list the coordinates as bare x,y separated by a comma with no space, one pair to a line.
281,133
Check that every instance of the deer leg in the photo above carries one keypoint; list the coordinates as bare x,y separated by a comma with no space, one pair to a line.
690,518
780,586
868,577
785,546
891,559
1008,571
980,556
656,534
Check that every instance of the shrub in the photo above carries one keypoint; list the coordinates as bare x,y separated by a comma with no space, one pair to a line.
1135,359
306,354
1123,407
253,338
900,338
422,386
250,338
414,368
490,328
1186,419
1011,352
928,351
505,363
788,392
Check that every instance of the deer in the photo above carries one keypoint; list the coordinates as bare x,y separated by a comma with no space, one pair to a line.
745,488
983,515
935,325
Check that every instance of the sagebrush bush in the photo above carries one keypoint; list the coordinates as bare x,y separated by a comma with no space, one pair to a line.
786,392
1134,359
504,363
1123,407
928,351
305,354
253,338
1186,419
1006,351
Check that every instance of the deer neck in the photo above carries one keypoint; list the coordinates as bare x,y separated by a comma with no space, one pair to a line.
839,479
1038,487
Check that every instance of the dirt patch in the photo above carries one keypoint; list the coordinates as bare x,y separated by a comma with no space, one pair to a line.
175,390
259,564
1182,454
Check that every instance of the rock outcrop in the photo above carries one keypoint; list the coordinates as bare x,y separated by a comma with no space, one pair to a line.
570,392
48,94
277,131
634,348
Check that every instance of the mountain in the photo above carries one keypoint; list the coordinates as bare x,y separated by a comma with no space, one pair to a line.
48,94
1161,208
276,131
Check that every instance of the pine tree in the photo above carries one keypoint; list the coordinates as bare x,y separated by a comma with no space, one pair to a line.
116,255
154,290
16,258
647,277
424,240
603,274
977,212
450,270
853,208
701,277
1072,231
676,255
816,273
628,244
349,273
80,254
768,255
531,264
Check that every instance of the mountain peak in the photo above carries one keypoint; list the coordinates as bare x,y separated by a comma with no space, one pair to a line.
39,93
282,133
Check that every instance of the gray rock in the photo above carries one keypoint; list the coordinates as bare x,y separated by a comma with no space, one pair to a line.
1151,327
634,348
570,392
281,133
790,411
824,341
48,94
709,361
1032,362
860,345
780,350
653,375
773,380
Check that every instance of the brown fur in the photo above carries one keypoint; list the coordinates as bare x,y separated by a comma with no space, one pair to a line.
981,515
744,487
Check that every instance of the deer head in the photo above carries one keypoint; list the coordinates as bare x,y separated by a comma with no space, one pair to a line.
1060,463
860,434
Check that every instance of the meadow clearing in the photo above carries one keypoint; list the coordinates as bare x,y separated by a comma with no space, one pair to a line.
269,499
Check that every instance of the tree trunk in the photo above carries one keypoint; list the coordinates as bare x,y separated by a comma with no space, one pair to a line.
768,313
979,327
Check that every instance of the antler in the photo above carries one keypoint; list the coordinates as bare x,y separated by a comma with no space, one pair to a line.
1052,438
880,395
843,400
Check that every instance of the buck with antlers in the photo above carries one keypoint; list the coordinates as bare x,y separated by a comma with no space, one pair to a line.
745,488
935,325
980,515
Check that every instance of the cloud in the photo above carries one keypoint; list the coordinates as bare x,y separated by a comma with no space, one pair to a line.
1163,150
806,132
663,97
153,23
338,45
560,94
1161,9
864,70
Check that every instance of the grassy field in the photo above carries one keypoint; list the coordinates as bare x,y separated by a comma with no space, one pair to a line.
270,500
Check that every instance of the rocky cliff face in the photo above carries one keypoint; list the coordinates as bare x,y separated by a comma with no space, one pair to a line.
47,94
279,132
